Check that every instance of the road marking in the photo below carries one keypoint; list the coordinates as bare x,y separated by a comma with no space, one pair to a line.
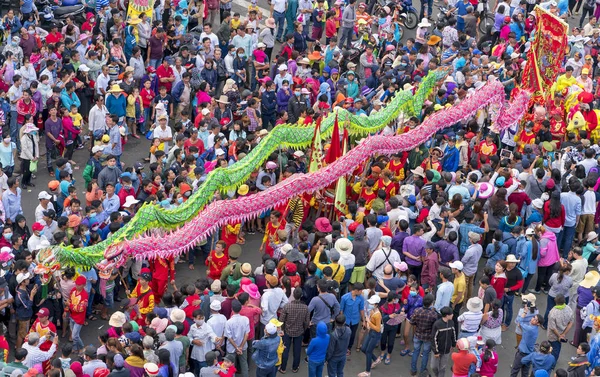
244,4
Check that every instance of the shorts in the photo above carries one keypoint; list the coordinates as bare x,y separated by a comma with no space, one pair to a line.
586,224
358,274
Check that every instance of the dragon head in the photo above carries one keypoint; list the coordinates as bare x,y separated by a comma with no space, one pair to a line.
114,256
46,262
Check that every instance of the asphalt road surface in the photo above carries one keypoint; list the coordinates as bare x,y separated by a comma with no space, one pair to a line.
137,149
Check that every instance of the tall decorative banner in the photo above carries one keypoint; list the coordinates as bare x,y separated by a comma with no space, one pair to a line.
340,204
334,151
316,155
545,56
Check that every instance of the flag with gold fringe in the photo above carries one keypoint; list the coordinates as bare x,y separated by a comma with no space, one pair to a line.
545,56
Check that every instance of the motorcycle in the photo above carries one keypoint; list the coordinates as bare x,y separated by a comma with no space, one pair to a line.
56,13
404,8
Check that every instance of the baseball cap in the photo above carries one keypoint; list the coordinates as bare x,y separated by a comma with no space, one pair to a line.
43,312
457,264
44,195
97,149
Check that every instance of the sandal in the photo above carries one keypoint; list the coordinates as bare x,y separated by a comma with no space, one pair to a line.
404,352
191,267
295,370
92,318
281,371
387,360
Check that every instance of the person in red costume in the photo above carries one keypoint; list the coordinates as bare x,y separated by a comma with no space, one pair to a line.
585,99
145,296
433,161
161,270
44,327
217,260
76,307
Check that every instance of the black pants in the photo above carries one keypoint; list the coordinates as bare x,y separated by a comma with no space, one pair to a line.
388,337
584,14
518,366
26,172
544,274
456,313
69,150
353,329
296,342
416,270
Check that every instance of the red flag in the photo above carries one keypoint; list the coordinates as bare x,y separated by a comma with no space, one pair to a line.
334,152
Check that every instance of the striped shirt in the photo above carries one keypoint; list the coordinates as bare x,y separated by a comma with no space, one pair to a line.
469,321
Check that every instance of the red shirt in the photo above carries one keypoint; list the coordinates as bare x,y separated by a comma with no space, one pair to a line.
462,361
330,28
555,222
498,283
147,97
161,73
53,38
253,315
198,144
519,198
78,302
216,265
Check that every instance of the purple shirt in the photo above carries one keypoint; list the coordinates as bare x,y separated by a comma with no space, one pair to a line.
54,128
448,252
415,245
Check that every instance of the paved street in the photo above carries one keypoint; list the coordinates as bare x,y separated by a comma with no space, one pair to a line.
136,150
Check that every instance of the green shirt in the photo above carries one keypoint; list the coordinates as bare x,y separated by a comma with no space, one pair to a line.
185,342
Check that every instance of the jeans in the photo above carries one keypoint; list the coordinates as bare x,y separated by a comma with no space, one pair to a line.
565,240
507,308
297,344
280,21
196,365
75,330
345,35
155,63
429,4
353,329
369,344
438,365
14,129
418,344
315,369
556,345
270,372
335,367
465,334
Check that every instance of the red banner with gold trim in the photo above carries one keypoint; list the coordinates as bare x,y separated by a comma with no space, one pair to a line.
545,57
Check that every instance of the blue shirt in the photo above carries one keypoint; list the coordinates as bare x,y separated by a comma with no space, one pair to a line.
12,204
265,352
530,334
572,204
351,307
115,139
443,295
464,235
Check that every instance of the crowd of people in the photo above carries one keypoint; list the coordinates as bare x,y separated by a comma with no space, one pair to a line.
434,248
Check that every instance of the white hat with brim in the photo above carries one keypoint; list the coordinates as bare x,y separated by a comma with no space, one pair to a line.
424,23
129,201
530,297
344,246
591,279
592,236
117,319
510,258
223,99
474,304
375,299
457,264
419,171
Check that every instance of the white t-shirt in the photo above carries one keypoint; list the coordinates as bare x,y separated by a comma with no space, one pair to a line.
163,134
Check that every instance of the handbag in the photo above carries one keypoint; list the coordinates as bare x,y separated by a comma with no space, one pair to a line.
149,134
33,166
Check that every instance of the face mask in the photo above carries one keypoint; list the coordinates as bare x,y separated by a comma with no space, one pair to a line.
152,74
403,278
180,200
202,129
31,32
199,322
92,20
241,55
126,187
111,167
297,94
286,87
41,233
8,236
92,215
413,293
196,155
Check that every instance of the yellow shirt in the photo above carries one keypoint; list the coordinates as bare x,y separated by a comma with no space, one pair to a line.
338,270
460,286
77,119
235,24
